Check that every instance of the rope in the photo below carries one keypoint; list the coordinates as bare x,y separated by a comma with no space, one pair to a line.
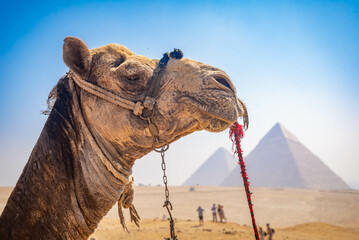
126,198
136,107
126,201
236,134
106,95
154,87
155,80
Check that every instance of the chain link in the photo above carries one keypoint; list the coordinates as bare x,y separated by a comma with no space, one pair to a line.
163,165
162,151
167,203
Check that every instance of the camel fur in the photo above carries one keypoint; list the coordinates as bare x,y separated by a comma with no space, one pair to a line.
83,158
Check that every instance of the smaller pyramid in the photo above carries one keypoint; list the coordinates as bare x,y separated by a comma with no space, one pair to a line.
213,171
281,160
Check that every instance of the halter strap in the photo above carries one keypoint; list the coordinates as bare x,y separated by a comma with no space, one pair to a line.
150,99
106,95
137,107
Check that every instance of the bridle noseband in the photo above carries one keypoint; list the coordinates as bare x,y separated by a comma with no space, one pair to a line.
142,109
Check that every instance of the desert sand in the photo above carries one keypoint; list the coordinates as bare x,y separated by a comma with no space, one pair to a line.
293,213
156,229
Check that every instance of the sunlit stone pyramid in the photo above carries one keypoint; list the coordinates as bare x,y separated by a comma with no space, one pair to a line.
280,160
213,170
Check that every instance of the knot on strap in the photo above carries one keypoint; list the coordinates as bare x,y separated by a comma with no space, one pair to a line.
125,201
176,53
138,108
149,103
128,198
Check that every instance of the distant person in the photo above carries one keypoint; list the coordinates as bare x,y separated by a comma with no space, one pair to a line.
200,215
219,210
222,217
214,212
262,233
270,232
163,217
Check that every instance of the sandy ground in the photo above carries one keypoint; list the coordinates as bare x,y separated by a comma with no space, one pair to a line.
293,213
280,207
156,229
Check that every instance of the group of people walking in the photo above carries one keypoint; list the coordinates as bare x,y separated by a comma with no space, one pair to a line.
216,211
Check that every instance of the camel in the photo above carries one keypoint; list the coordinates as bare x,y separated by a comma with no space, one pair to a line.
82,161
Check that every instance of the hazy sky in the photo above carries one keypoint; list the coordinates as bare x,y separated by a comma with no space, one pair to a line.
294,62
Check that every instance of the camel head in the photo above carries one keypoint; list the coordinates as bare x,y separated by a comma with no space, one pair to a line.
191,96
104,118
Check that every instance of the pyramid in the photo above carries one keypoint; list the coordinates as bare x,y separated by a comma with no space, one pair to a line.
280,160
213,170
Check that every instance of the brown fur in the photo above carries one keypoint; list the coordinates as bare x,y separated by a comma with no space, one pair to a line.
85,153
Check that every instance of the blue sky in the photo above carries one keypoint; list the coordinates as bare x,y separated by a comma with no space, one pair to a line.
294,62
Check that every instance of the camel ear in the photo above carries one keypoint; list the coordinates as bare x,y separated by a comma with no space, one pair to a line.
77,56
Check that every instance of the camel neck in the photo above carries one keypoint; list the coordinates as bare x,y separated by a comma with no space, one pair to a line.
68,184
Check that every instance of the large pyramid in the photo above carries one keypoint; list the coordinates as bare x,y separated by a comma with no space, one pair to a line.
213,170
281,161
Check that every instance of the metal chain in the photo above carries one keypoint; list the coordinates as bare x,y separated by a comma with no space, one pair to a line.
154,132
163,166
167,203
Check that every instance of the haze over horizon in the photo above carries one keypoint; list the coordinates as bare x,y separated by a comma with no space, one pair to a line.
292,62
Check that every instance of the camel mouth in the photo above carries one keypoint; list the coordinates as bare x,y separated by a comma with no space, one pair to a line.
226,116
218,125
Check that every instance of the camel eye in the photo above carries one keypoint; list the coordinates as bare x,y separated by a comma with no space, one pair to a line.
133,78
117,63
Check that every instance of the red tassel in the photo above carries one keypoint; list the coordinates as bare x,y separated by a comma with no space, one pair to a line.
236,134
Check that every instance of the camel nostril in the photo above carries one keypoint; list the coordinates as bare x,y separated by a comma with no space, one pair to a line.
223,81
